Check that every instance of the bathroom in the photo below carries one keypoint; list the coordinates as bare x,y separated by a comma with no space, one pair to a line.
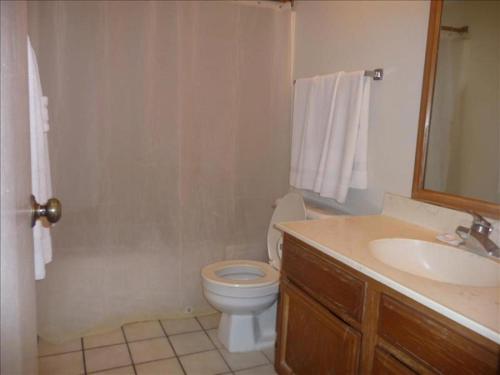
171,144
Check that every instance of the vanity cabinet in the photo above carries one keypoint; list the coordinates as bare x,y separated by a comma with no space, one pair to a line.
314,340
333,319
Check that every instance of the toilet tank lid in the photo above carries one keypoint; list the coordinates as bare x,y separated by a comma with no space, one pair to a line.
289,208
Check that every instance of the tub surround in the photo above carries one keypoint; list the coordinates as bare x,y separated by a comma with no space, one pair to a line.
347,238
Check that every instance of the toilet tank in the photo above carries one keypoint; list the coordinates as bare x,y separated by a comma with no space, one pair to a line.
315,212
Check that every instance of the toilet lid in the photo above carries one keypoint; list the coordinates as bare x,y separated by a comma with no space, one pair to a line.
289,208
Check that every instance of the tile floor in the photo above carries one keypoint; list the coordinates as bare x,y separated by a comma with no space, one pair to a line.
181,346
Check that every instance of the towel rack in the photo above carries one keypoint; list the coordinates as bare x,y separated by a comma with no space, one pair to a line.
376,74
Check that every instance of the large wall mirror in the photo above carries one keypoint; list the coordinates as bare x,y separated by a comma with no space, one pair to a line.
458,148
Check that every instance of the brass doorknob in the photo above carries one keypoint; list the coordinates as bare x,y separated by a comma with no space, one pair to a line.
52,210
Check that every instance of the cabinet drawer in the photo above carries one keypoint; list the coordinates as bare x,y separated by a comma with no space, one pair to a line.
331,285
385,364
431,342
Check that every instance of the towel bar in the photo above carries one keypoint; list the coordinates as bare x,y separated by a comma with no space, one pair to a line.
376,74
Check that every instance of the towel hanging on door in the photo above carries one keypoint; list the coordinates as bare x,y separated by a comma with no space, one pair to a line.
330,134
40,163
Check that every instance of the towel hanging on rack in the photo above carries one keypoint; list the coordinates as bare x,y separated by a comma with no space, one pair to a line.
330,134
376,74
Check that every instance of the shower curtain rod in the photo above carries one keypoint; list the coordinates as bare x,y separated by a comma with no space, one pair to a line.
376,74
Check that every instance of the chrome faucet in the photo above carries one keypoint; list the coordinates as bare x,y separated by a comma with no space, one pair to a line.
477,236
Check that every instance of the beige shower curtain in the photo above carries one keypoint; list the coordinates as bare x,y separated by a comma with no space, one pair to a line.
169,141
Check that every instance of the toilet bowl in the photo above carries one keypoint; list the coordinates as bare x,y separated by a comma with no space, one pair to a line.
246,291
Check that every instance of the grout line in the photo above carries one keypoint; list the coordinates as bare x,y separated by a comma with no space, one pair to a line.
128,348
254,367
182,333
104,346
216,348
108,369
61,353
201,351
173,349
155,360
146,339
83,355
269,359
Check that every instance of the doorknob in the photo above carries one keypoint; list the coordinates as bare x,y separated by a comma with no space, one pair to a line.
52,210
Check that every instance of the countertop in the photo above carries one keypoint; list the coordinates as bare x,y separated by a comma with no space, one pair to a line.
346,239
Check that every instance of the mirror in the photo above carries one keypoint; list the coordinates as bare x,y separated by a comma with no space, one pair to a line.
457,161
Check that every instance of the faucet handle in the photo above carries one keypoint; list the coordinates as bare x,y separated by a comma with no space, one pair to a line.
480,224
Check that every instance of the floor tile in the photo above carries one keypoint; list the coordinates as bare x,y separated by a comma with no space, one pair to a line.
110,338
187,343
206,363
175,326
127,370
143,330
261,370
239,361
62,364
46,348
150,350
269,353
213,336
167,366
107,357
210,321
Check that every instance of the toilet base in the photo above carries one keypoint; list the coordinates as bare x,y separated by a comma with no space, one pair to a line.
248,332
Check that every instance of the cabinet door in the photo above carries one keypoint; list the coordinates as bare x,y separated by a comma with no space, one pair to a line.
432,343
385,364
311,339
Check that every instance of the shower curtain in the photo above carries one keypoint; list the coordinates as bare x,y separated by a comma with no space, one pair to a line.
443,173
170,136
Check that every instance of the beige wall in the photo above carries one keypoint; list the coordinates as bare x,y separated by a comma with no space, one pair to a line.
356,35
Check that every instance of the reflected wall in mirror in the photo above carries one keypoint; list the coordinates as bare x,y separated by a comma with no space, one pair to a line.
458,149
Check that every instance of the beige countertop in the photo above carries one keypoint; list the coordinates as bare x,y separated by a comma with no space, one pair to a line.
346,239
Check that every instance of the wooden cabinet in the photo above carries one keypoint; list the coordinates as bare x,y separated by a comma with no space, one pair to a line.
432,342
386,364
333,319
312,340
331,285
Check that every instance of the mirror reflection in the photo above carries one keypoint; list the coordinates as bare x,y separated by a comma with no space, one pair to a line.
463,154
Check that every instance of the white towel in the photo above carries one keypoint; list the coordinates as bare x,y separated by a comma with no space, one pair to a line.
330,134
40,162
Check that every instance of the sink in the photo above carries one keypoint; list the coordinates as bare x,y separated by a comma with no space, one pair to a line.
437,262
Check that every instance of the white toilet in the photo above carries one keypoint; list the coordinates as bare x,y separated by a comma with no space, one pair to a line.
246,291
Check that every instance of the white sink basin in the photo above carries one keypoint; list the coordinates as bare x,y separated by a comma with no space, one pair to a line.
437,262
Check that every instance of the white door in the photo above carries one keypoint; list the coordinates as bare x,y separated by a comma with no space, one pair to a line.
18,314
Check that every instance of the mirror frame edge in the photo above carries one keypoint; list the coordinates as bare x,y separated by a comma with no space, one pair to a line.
452,201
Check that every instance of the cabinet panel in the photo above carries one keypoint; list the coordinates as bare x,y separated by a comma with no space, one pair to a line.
324,280
432,342
311,339
385,364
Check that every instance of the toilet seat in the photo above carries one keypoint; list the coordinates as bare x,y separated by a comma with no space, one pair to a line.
240,274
